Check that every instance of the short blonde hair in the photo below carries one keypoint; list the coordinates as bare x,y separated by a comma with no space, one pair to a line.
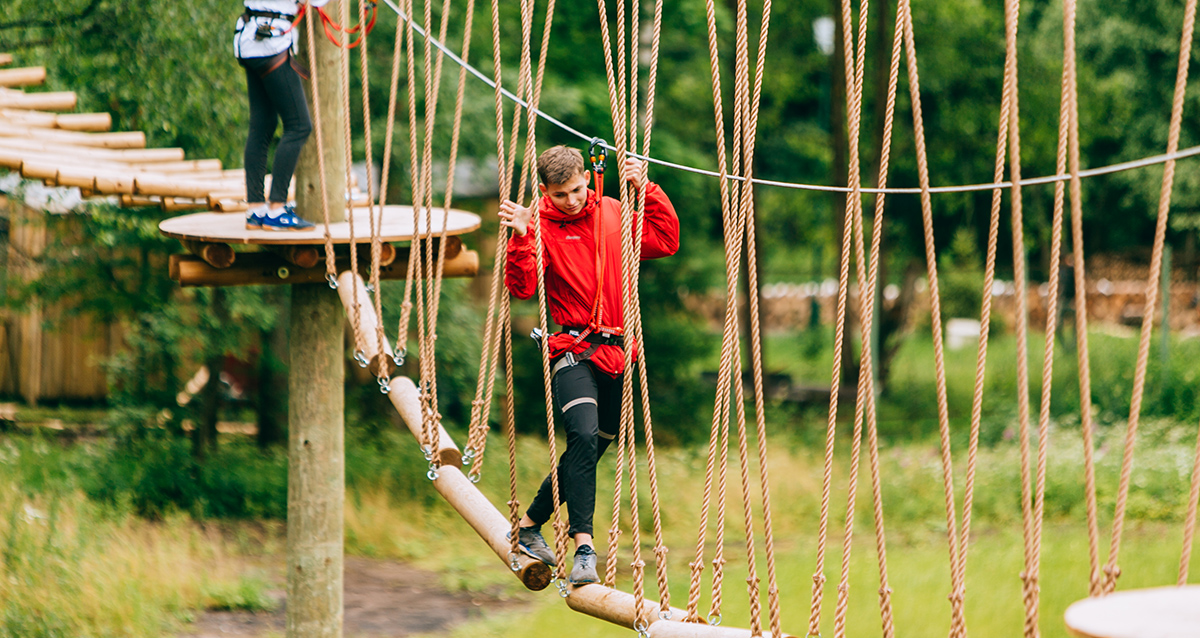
558,164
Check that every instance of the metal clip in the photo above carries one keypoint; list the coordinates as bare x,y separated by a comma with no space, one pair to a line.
400,355
642,629
384,387
361,358
333,284
513,562
369,288
468,454
562,587
428,452
665,615
432,474
714,620
474,478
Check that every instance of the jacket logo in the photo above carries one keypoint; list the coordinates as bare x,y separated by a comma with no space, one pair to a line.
573,237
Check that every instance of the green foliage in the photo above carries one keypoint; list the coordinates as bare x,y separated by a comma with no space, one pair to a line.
248,593
960,277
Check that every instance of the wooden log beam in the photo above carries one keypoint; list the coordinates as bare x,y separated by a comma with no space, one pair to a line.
23,76
164,186
215,255
125,156
121,140
53,101
5,59
258,269
302,256
93,122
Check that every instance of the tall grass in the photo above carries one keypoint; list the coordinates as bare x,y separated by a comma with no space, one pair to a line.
73,567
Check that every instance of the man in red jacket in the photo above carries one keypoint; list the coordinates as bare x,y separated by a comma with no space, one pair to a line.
581,233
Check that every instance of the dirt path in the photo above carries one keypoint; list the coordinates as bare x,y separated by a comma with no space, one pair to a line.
382,599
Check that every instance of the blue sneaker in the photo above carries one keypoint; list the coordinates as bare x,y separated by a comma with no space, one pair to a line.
288,220
254,217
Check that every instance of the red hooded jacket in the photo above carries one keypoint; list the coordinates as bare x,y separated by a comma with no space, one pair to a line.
570,263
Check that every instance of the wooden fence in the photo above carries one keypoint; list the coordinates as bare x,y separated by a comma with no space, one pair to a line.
45,354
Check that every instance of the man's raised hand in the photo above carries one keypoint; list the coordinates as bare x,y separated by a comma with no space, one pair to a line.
634,171
514,216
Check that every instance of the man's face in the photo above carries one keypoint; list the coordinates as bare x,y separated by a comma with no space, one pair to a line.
570,196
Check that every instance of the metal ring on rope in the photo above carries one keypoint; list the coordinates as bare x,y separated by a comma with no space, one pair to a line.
432,474
361,358
642,629
562,587
513,561
400,355
384,387
333,284
714,620
665,615
474,478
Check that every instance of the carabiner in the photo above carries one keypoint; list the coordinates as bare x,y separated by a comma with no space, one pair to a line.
598,154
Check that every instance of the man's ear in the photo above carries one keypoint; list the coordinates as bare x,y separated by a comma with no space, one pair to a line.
542,188
587,175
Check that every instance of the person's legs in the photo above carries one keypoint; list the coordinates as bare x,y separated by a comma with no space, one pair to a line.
263,120
575,400
286,91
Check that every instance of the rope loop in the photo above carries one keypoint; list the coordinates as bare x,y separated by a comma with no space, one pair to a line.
331,280
819,579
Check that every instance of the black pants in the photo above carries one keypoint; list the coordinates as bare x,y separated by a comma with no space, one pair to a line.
276,96
588,404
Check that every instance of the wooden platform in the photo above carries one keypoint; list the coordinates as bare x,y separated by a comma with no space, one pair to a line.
1163,612
229,228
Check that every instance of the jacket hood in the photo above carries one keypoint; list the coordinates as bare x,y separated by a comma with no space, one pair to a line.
548,210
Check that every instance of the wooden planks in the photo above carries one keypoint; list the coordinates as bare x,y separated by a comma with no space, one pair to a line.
51,101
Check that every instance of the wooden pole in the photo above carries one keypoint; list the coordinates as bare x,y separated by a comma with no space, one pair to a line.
316,379
23,76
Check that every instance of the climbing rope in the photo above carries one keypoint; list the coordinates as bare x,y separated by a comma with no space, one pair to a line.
868,283
959,567
381,364
1189,524
855,65
330,257
1111,570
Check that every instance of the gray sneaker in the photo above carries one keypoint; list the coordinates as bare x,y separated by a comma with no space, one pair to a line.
530,540
584,571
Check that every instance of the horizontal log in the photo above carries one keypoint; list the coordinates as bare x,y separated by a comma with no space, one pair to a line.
122,140
23,76
124,156
5,59
53,101
182,204
302,256
258,269
95,122
215,255
162,185
614,606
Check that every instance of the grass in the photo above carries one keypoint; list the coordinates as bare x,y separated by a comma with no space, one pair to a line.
74,566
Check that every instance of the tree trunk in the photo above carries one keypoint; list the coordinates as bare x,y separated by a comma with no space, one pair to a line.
316,393
204,432
273,376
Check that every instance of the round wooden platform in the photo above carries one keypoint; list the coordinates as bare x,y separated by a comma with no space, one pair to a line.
1163,612
230,228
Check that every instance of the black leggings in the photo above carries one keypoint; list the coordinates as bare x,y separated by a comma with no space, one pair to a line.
588,404
278,95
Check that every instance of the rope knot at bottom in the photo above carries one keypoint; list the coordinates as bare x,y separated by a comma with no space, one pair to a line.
819,580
